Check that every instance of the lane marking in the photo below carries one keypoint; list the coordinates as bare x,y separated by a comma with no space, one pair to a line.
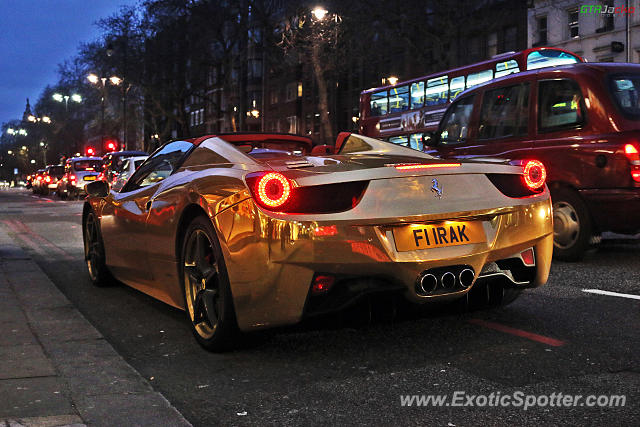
611,294
518,332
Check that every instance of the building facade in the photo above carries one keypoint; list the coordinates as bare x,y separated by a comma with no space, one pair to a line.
599,31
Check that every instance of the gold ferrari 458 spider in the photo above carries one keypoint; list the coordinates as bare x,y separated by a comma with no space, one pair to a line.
249,231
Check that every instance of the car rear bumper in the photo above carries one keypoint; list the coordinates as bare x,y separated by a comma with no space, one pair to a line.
616,210
272,262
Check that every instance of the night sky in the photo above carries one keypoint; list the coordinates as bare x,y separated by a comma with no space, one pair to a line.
37,35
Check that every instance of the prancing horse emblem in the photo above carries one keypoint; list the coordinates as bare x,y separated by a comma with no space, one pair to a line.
437,192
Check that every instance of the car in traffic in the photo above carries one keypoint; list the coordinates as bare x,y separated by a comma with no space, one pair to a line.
78,172
37,181
582,121
113,162
244,242
50,177
129,166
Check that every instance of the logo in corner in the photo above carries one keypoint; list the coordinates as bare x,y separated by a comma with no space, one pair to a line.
437,191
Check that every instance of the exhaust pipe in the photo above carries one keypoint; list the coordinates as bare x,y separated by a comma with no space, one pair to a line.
466,277
448,280
428,283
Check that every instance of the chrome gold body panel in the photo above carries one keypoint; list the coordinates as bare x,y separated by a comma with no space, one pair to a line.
271,258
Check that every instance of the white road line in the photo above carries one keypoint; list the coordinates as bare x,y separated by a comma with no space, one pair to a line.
611,294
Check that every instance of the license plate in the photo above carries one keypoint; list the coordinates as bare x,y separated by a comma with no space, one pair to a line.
89,178
448,233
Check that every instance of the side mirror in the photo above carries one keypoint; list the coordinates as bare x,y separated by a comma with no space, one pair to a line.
432,139
97,189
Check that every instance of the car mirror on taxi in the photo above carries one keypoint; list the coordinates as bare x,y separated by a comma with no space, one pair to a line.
431,139
97,189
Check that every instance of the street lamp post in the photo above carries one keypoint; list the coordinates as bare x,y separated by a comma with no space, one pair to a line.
73,97
101,82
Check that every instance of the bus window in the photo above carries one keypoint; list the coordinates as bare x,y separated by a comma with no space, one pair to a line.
379,103
398,99
399,140
438,90
415,141
456,87
417,95
506,68
549,58
479,77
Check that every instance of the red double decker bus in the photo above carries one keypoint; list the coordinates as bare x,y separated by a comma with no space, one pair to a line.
404,112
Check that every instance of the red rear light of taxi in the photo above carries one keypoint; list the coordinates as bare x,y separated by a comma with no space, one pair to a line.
38,178
535,174
633,155
72,177
274,191
47,179
632,152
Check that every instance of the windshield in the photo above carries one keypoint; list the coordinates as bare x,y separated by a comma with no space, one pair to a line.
267,153
88,165
275,146
626,92
364,145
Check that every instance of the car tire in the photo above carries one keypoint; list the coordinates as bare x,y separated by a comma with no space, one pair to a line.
94,254
572,226
205,286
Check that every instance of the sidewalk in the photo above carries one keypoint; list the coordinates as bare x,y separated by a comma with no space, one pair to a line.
55,368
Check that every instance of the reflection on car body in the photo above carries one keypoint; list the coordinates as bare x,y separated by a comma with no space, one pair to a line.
246,242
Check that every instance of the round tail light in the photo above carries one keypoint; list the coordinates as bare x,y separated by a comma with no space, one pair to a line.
535,174
273,189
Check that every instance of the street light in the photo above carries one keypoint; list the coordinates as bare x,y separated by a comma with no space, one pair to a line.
15,132
101,82
392,80
60,97
319,13
35,119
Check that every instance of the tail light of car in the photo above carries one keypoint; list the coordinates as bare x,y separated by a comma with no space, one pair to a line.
38,178
631,151
531,182
101,176
275,192
72,178
47,179
535,174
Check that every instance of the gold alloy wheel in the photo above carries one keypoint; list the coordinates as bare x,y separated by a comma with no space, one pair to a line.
201,284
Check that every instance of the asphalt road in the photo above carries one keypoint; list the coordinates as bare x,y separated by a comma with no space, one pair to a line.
554,339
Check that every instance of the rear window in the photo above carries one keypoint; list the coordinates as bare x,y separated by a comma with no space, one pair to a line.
56,171
88,165
626,93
